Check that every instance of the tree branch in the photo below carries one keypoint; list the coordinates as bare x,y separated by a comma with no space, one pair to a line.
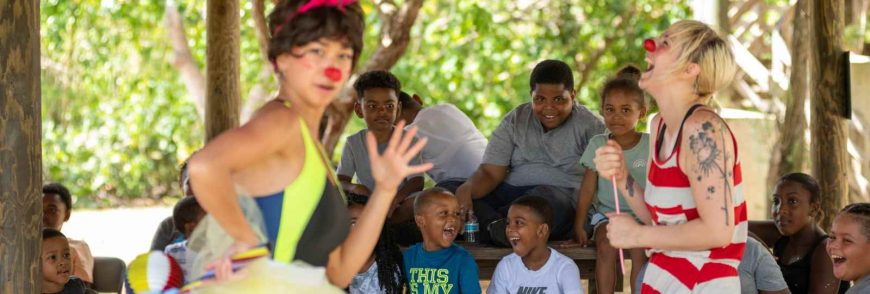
258,12
259,93
590,65
183,60
395,36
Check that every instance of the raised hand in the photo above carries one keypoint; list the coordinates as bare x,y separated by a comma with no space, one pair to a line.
610,161
391,168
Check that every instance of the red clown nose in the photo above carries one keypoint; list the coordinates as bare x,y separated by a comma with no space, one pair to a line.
333,74
649,45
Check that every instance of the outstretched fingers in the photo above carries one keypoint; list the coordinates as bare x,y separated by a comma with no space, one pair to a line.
407,139
420,168
407,154
396,137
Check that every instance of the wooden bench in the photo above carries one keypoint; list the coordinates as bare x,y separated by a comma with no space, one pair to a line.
488,257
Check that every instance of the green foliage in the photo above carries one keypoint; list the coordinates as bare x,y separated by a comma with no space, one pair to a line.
117,118
478,54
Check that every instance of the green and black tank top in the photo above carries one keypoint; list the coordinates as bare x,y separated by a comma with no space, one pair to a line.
308,219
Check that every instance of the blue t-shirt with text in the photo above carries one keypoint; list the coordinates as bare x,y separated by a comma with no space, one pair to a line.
451,270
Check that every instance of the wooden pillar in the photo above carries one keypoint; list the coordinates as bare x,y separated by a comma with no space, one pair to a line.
829,157
722,19
20,149
792,148
222,67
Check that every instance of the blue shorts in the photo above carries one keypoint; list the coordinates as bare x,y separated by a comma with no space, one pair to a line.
594,220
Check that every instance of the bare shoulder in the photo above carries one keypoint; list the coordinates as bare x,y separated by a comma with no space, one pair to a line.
820,256
277,124
275,119
268,133
707,139
705,120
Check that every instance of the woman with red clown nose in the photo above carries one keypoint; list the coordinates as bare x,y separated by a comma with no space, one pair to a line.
692,204
277,160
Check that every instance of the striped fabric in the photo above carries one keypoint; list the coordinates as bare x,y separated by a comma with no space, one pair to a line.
669,199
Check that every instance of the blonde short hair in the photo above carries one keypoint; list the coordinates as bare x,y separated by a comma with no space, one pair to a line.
698,43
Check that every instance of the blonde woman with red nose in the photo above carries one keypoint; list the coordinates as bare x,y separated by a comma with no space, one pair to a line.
692,204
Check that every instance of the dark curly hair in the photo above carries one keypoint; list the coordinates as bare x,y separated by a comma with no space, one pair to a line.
186,210
538,205
552,72
59,190
377,79
625,81
387,254
320,22
807,182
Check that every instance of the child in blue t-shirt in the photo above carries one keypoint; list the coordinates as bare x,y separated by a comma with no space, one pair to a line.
436,265
622,105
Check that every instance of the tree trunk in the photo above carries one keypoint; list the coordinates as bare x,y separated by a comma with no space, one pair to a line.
20,148
791,147
829,158
222,67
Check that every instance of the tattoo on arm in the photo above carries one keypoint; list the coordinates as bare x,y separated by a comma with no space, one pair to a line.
707,153
629,185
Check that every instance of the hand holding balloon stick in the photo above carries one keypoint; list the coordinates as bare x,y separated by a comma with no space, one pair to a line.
616,200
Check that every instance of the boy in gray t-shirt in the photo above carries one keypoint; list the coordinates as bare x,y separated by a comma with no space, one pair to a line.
535,150
378,105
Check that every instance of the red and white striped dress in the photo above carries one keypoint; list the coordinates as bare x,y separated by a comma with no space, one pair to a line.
669,199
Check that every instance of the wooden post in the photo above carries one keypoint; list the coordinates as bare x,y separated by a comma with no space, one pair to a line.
792,149
20,148
722,19
222,67
829,159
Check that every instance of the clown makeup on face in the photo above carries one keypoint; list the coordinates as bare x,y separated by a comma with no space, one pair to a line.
660,64
316,71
